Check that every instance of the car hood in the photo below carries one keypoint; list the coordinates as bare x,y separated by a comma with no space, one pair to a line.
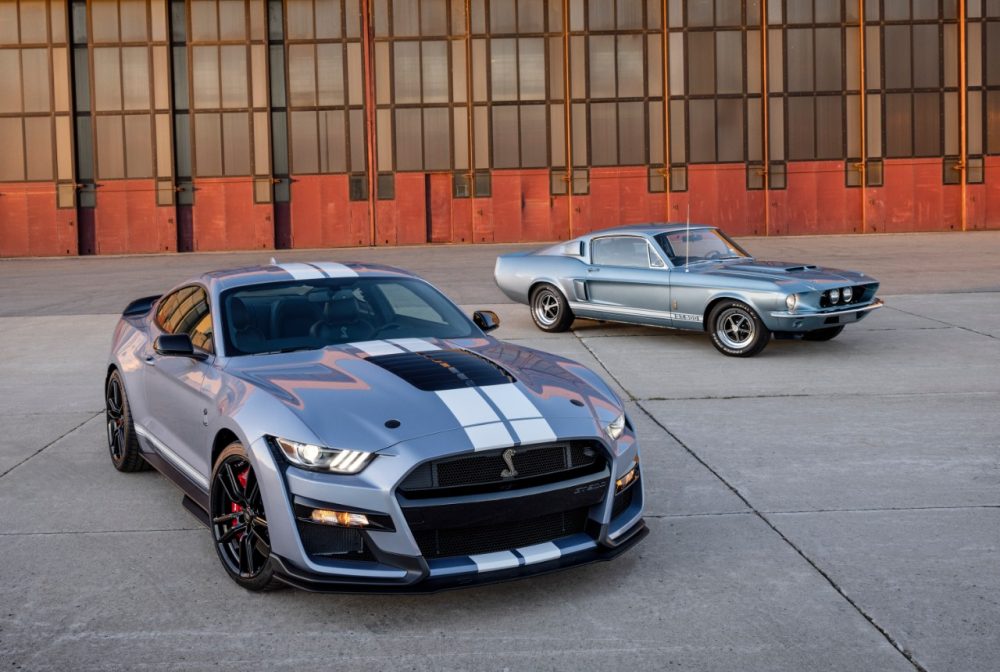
787,273
349,398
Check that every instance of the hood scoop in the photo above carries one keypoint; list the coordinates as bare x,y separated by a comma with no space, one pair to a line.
436,370
793,269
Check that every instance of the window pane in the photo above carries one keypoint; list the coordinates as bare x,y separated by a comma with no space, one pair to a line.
133,18
699,12
630,66
730,121
603,134
629,15
829,127
357,135
64,149
208,144
702,120
8,25
407,72
409,134
135,78
502,16
301,75
505,134
801,11
927,57
163,146
800,59
437,138
38,140
33,22
12,158
328,19
405,18
435,71
330,63
204,22
182,137
458,72
532,68
531,16
103,20
602,66
354,68
460,131
110,152
332,142
299,25
601,14
205,69
828,58
534,140
232,20
729,56
701,63
35,80
655,132
801,128
304,143
503,68
678,146
236,143
897,57
927,124
107,79
632,134
234,76
138,146
10,82
898,130
557,122
433,17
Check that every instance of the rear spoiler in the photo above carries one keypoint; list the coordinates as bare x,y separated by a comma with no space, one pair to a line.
140,306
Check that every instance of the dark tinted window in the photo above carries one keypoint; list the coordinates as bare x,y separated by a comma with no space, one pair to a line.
621,251
186,311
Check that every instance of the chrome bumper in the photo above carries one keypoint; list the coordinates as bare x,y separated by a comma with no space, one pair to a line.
877,303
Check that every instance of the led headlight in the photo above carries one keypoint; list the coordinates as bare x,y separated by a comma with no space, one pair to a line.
791,301
615,428
834,296
847,293
318,458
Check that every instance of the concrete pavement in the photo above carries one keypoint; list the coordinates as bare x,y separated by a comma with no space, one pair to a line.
825,506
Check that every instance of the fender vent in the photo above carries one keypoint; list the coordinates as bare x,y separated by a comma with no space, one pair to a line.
443,369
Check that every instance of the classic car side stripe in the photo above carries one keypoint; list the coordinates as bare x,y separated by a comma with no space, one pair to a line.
172,457
539,553
637,312
335,270
489,562
301,271
375,348
414,344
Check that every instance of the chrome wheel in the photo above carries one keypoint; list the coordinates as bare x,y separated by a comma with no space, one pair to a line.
735,329
547,308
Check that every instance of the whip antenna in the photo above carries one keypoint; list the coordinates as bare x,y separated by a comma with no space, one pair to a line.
687,239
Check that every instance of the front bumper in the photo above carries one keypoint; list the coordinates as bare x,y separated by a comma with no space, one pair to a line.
393,561
799,322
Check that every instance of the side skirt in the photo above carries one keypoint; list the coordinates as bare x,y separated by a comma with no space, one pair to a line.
192,491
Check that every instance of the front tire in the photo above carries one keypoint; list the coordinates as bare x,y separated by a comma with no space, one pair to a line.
239,524
827,334
122,442
736,329
550,310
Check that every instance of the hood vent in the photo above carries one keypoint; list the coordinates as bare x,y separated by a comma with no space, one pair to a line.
443,369
792,269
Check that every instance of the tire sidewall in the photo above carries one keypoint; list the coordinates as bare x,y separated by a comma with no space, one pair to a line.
761,333
565,317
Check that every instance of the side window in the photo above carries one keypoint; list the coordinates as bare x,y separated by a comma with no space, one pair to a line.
655,261
629,251
405,303
186,311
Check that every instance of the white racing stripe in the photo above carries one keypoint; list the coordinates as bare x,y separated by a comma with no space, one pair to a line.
468,406
301,271
490,435
414,344
335,270
511,401
539,553
376,348
490,562
534,430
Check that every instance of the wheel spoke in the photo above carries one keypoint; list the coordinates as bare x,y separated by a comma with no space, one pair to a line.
232,532
246,555
225,518
262,544
252,492
228,480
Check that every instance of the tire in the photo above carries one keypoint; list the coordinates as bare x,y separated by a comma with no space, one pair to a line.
736,330
238,524
827,334
122,442
549,309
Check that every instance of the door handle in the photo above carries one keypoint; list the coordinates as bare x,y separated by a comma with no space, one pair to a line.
593,270
150,360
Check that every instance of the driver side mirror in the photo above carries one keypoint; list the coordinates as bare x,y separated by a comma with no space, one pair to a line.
486,320
177,345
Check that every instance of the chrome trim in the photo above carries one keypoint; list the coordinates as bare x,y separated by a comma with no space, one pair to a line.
637,312
877,303
172,457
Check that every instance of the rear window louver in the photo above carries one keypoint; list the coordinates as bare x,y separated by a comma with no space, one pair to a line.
443,369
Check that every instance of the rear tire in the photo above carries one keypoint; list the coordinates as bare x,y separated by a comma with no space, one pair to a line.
122,442
550,310
238,521
736,330
827,334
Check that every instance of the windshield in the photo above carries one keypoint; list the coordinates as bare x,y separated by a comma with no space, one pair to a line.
688,247
312,314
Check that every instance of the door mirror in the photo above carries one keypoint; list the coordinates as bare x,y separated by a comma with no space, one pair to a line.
176,345
486,320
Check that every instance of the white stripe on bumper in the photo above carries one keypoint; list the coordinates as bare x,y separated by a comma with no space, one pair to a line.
490,562
539,553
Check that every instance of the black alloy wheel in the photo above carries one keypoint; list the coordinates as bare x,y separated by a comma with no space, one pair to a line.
122,442
239,524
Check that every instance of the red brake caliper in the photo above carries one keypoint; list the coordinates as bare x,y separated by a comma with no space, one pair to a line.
236,508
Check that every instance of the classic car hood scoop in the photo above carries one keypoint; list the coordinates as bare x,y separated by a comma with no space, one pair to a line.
774,266
443,369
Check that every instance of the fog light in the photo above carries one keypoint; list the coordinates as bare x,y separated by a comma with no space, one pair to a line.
834,296
338,518
630,477
847,293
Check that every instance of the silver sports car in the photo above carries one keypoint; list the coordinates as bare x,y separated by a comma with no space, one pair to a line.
686,277
346,427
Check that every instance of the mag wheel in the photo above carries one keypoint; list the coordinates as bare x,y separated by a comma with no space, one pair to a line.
239,525
549,309
122,443
827,334
736,330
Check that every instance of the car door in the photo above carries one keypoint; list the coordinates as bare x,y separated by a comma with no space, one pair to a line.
628,280
175,389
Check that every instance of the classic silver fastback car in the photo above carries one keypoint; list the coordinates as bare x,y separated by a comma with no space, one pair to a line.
348,427
687,277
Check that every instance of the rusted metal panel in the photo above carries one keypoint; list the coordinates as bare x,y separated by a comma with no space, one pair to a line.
913,199
225,217
507,206
440,202
816,201
30,223
322,214
128,221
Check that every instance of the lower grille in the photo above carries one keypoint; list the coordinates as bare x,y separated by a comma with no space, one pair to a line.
492,538
330,541
623,500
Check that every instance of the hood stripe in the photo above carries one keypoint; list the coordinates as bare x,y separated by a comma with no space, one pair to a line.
511,401
335,270
301,271
376,348
489,436
486,428
414,344
535,430
468,406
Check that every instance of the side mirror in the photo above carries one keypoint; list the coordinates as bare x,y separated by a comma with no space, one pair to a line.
486,320
176,345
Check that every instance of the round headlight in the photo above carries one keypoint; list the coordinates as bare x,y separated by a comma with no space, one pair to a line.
791,301
834,296
847,293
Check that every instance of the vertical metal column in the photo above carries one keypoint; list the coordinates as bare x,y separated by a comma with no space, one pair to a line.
567,118
963,112
470,135
369,97
862,165
665,76
765,107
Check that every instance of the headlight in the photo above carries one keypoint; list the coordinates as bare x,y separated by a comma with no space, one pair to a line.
791,301
615,429
834,296
847,293
318,458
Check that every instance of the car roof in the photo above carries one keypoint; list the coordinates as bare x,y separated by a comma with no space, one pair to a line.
651,228
223,279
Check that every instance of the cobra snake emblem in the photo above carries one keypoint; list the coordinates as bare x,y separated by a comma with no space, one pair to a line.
508,457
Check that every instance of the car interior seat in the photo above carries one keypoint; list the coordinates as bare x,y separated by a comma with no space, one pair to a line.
342,321
246,336
292,317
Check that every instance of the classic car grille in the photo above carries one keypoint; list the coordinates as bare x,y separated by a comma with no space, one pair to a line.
861,294
501,537
483,472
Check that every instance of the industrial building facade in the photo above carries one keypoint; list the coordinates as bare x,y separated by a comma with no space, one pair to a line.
130,126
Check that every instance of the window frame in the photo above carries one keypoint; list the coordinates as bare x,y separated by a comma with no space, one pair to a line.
650,252
160,304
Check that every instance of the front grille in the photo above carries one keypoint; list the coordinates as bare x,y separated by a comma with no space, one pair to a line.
503,537
489,471
860,294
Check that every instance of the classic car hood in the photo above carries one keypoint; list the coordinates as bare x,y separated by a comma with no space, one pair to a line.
816,276
345,395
